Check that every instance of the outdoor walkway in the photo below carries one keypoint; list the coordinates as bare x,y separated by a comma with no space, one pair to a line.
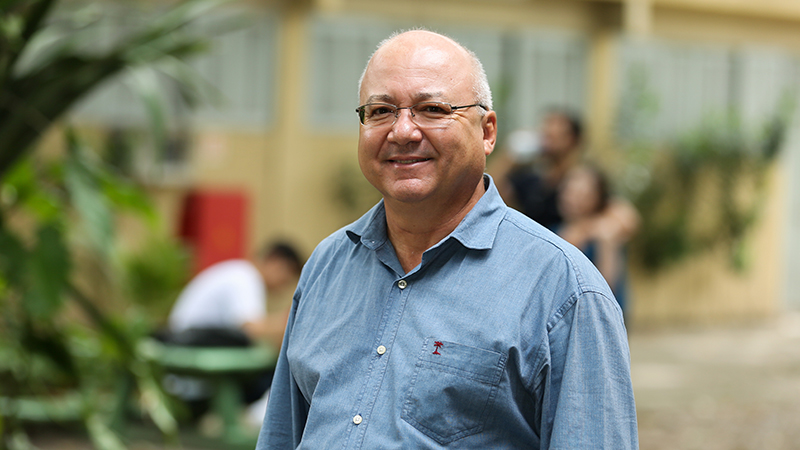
732,388
724,388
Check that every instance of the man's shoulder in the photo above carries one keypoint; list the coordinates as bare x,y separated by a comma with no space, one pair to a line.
529,244
516,226
329,249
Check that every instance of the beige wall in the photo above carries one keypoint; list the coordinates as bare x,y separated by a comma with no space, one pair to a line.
706,289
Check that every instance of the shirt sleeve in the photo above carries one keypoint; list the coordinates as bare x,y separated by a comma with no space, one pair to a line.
588,397
287,409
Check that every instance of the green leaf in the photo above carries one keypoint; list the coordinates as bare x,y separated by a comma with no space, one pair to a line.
154,400
13,259
51,343
27,186
147,87
103,437
48,272
123,194
87,196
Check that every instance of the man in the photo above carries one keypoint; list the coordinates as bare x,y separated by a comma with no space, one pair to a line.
442,318
532,186
232,294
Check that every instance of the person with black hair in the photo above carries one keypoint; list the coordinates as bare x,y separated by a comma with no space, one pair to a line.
592,223
528,178
232,294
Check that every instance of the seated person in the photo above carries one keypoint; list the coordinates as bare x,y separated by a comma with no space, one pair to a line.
233,294
597,224
226,305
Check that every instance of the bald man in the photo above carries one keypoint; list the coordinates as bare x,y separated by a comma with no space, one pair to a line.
442,318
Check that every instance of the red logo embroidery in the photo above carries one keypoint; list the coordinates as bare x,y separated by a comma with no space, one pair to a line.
438,345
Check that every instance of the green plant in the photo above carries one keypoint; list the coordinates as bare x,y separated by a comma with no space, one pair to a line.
56,246
701,190
61,331
155,275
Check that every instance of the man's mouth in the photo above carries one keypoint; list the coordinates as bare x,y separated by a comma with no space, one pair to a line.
409,161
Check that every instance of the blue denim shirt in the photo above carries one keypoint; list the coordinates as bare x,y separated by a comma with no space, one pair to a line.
504,337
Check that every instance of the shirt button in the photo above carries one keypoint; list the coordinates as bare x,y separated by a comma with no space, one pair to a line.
357,419
402,284
381,349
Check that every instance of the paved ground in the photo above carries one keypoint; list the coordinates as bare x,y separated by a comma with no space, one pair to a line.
719,389
726,388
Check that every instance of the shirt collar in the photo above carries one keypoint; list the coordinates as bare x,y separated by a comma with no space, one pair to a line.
476,231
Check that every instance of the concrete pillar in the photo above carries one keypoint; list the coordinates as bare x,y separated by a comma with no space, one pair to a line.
292,107
637,17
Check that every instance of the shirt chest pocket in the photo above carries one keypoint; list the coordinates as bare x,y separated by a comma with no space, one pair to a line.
452,390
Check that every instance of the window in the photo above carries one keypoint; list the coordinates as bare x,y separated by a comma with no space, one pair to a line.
691,82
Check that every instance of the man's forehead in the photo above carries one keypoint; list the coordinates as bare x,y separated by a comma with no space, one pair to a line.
417,97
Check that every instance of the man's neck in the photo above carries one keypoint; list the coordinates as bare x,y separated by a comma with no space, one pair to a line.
414,228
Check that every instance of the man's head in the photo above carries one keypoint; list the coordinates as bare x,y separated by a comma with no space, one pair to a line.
279,263
410,159
561,134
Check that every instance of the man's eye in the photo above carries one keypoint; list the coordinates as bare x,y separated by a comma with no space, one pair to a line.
432,109
379,111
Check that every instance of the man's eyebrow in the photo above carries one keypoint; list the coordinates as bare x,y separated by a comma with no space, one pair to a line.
381,98
385,98
427,96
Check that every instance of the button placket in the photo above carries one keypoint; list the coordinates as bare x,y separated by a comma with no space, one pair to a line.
387,331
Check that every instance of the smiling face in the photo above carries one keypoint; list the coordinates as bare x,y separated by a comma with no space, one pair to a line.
409,164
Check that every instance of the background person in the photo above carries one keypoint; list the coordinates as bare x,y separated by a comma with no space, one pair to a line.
233,294
225,305
443,318
585,204
529,173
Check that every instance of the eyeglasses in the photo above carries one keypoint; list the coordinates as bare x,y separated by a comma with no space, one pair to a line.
424,114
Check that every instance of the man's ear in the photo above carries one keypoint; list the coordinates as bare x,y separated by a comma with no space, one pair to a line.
489,125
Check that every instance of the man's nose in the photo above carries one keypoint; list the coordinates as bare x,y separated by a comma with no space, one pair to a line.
404,129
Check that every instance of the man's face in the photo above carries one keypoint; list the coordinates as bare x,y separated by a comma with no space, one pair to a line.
557,138
410,164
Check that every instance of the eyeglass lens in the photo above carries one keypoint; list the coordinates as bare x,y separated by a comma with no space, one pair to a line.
423,114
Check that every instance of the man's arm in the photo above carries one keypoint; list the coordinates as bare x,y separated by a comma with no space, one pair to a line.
287,409
588,394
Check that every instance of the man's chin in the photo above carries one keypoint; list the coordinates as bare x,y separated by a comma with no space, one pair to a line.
408,191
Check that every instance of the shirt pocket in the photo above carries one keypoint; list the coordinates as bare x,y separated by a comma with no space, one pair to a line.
452,390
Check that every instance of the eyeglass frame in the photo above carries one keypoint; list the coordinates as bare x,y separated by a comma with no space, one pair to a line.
410,109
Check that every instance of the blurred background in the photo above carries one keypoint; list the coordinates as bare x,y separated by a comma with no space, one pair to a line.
141,142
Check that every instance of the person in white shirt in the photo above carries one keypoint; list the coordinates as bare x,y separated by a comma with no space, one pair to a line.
233,294
226,305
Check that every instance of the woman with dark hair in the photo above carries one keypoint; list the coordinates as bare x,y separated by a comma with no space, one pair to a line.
592,223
